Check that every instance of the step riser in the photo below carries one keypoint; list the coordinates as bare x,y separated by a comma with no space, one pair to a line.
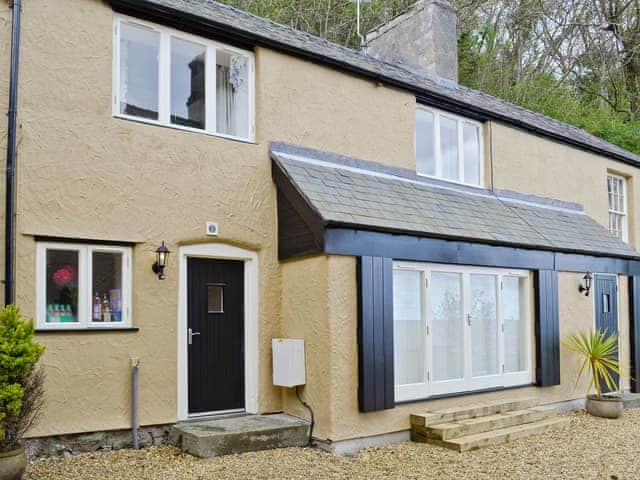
514,433
459,430
454,414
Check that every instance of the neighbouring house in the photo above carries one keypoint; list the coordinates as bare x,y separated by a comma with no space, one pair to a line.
427,241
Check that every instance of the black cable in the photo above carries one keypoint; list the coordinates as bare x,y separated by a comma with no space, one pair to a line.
306,405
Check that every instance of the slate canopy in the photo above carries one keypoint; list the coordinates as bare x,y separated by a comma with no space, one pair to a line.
333,204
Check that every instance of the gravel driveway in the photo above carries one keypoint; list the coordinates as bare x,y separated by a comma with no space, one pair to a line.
589,448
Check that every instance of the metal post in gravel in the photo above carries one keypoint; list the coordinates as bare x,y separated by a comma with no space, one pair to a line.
135,364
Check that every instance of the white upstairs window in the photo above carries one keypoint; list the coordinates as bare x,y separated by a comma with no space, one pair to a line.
448,147
83,286
167,77
617,192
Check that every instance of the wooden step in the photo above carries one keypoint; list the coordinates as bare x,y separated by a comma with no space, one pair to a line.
471,411
470,426
502,435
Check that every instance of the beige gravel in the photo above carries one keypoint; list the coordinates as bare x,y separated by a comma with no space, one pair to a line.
588,448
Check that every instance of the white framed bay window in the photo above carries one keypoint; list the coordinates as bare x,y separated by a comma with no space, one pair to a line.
170,78
459,329
81,286
448,147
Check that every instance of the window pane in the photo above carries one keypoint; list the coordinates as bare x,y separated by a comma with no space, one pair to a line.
425,155
514,315
484,325
449,148
471,154
62,286
407,328
215,299
139,71
187,83
445,299
107,287
232,94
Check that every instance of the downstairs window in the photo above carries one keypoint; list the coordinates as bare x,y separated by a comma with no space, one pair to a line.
459,329
83,286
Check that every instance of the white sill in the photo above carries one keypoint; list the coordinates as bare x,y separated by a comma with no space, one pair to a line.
53,326
158,123
457,182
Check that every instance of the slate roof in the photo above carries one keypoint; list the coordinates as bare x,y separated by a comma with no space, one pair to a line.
249,27
349,192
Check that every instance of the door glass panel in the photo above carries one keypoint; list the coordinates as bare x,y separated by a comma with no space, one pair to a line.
449,148
484,325
215,298
187,83
514,318
445,300
62,286
407,327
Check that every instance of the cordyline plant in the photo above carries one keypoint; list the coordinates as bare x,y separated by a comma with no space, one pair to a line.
21,383
598,354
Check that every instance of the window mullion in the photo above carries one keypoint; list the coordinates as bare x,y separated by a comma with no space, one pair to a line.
500,319
84,290
164,87
460,151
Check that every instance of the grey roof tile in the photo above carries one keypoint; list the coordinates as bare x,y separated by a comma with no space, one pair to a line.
481,216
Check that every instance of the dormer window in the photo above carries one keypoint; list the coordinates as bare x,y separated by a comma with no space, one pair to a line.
448,147
170,78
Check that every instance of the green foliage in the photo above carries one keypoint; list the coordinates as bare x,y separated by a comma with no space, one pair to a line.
495,39
597,351
18,355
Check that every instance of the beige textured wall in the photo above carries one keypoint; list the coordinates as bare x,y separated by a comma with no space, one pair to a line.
85,174
560,172
346,422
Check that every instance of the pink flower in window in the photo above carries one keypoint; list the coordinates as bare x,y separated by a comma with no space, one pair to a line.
64,276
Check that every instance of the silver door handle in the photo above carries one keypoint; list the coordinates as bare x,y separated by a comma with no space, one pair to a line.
190,335
469,317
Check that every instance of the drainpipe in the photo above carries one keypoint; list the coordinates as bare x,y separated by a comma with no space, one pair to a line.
135,365
9,252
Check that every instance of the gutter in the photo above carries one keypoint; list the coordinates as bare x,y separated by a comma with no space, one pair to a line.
244,39
9,252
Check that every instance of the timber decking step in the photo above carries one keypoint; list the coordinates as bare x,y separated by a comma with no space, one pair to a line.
470,426
471,411
502,435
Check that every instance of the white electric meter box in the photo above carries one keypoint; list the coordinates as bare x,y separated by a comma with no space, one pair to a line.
288,362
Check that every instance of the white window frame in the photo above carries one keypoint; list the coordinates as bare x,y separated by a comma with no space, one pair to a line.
624,214
469,383
85,286
437,150
164,78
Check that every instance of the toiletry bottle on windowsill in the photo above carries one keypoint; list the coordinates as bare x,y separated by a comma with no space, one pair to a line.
106,309
97,308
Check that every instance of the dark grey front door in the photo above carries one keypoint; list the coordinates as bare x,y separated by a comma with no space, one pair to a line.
606,300
215,335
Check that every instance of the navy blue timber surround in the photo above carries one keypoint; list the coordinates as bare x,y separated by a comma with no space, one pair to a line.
375,334
547,328
634,333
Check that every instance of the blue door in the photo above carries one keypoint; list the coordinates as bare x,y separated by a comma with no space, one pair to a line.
606,299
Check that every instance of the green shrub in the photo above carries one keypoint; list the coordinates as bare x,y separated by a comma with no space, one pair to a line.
18,355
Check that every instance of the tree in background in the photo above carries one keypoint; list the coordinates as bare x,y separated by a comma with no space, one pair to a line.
574,60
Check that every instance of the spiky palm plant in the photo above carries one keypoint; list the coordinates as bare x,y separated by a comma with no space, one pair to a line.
597,350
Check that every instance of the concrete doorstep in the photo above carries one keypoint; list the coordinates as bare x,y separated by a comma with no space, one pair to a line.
213,437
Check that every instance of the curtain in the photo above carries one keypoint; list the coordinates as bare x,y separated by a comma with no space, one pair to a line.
232,97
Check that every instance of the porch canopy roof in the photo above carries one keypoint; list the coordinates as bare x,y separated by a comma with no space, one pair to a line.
318,190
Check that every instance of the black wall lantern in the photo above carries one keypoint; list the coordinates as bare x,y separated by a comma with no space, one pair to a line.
162,253
587,284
